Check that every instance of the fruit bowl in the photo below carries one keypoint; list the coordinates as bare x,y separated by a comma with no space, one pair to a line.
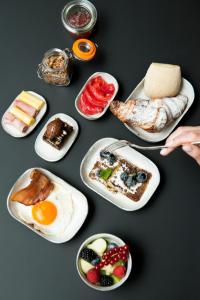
104,262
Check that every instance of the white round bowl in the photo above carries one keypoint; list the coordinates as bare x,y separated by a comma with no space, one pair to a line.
111,238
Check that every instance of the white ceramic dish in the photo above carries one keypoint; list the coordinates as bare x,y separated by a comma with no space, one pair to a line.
79,203
16,133
48,152
132,156
138,92
109,79
110,238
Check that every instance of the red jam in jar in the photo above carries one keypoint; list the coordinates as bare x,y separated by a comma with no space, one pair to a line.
79,17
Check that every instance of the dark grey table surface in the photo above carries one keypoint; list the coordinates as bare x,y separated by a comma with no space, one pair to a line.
164,235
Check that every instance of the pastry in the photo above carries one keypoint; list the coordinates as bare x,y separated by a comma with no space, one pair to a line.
120,176
162,80
38,189
150,115
57,132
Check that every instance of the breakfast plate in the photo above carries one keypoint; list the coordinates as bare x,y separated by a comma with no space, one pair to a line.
109,80
46,150
134,157
138,93
79,206
14,131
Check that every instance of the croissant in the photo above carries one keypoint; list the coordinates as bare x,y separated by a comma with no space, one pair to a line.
150,115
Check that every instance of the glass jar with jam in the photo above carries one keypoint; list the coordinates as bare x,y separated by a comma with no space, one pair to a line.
56,65
79,18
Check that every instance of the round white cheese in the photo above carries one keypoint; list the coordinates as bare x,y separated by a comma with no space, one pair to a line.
162,80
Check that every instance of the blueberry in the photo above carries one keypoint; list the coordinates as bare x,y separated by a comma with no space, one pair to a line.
98,173
95,261
104,154
141,177
109,156
130,181
124,176
111,246
112,158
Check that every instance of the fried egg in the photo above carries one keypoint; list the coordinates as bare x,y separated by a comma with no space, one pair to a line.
51,216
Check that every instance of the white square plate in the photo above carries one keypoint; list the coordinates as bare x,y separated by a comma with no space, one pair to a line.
109,79
132,156
16,133
48,152
153,137
80,206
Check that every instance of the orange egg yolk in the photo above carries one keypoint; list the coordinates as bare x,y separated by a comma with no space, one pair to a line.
44,212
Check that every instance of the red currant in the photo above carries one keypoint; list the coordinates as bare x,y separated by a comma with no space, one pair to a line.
101,264
97,267
119,256
112,262
115,259
124,258
105,257
126,247
115,249
107,262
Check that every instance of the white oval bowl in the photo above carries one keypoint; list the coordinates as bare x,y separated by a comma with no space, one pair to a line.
16,133
48,152
111,238
109,79
79,202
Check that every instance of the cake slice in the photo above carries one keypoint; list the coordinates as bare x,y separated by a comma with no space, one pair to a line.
57,133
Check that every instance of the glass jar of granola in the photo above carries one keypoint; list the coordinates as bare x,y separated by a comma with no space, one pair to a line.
56,65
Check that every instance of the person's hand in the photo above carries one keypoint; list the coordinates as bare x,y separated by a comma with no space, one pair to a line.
183,136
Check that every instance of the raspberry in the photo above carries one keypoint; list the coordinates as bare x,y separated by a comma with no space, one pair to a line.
119,271
93,275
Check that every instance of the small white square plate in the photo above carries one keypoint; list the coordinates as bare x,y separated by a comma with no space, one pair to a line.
48,152
132,156
138,92
109,79
16,133
80,206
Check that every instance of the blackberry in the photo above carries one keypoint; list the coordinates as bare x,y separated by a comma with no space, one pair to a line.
106,280
88,254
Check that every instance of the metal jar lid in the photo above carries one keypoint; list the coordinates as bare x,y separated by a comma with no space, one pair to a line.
88,6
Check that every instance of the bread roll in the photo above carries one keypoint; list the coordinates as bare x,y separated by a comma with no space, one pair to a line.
162,80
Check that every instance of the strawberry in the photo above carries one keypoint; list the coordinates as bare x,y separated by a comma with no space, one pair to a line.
93,275
119,271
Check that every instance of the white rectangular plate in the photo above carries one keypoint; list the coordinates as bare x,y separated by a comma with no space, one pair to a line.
48,152
132,156
80,206
109,79
16,133
138,92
